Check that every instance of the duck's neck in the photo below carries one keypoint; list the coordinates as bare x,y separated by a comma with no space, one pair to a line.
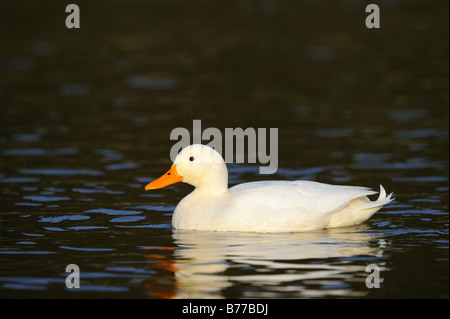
211,190
216,183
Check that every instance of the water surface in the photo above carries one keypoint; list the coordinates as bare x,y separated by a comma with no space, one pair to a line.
86,116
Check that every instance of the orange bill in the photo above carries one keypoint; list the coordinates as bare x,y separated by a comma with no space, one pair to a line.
171,177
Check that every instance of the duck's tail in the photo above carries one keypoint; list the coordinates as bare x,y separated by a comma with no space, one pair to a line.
382,200
359,210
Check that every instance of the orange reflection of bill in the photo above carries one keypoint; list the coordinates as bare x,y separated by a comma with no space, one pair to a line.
163,285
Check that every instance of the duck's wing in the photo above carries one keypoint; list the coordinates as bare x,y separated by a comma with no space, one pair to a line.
312,196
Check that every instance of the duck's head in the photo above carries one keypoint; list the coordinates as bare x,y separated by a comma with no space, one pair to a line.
198,165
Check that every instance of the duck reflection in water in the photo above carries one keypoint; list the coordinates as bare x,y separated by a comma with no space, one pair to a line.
209,264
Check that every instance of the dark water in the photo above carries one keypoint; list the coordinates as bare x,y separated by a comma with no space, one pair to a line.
86,115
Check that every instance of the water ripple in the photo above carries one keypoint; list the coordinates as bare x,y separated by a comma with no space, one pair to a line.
166,225
109,211
58,219
152,83
19,180
59,171
155,207
114,167
38,151
40,198
86,248
127,219
97,191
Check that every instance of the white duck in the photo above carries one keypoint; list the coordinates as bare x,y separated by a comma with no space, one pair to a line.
266,206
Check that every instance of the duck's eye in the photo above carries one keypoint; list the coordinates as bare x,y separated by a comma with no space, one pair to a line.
191,158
